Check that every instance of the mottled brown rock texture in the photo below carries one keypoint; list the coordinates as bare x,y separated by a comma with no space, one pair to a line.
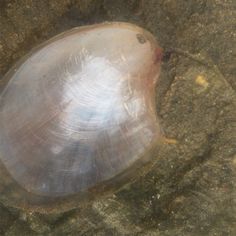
190,187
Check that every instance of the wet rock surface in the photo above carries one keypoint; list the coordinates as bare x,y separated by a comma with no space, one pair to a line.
190,188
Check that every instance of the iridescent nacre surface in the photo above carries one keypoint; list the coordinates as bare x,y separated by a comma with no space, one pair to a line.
80,109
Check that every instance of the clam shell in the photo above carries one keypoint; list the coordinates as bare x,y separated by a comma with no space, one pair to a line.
79,110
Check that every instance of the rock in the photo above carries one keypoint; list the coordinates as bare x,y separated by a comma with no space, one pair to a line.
190,188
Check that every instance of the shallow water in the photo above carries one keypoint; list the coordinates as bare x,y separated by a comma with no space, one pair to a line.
190,188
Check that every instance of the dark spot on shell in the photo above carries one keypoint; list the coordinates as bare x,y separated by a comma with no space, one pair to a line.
141,38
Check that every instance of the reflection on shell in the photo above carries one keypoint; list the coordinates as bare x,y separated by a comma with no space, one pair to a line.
79,110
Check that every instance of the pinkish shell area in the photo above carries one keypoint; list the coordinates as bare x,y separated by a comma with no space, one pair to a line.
79,109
